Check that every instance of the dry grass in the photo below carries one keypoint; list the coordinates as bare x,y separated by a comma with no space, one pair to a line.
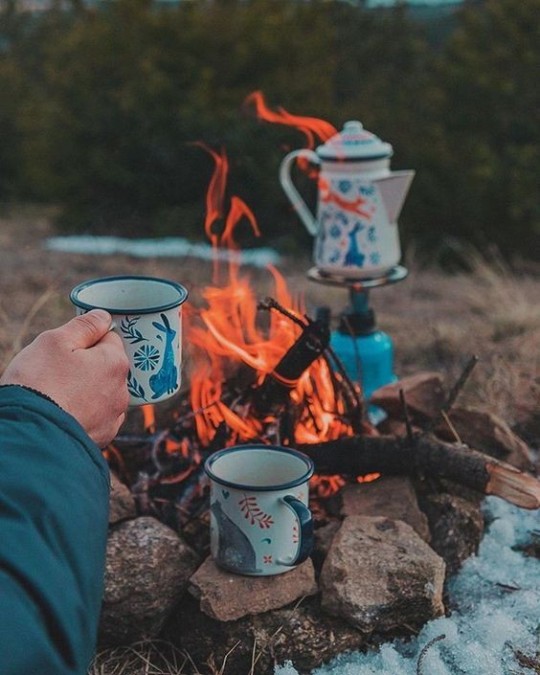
153,657
15,343
438,321
158,657
161,657
500,296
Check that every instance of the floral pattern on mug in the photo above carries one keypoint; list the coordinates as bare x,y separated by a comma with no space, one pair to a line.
147,357
127,326
134,387
252,512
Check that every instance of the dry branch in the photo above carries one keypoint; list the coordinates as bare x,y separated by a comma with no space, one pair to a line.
427,455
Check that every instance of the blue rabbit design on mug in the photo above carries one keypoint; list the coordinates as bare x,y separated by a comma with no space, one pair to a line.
354,255
166,378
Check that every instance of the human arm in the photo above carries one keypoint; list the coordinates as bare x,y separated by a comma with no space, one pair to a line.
83,368
54,495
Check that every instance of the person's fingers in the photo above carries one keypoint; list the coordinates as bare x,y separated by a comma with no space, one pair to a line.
113,354
111,339
121,419
86,330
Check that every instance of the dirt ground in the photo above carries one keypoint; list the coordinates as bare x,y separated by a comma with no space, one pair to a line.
436,321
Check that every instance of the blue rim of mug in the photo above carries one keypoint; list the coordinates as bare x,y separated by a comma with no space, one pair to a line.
310,467
183,294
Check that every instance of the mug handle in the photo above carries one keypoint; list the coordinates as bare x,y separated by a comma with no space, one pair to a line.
305,521
292,193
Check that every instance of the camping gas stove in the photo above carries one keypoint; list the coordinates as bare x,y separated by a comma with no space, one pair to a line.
366,352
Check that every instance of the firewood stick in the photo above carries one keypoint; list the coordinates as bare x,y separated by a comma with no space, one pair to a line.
358,455
458,386
454,393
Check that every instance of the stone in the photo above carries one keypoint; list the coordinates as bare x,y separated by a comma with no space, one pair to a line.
456,525
121,502
255,644
394,427
323,537
380,575
488,433
148,567
424,395
225,596
390,496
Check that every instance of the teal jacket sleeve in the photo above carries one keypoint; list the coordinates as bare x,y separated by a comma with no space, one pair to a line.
54,501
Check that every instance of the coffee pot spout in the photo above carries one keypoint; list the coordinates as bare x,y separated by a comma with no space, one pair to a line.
393,190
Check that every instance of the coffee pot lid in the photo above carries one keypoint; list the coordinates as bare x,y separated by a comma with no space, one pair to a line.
354,142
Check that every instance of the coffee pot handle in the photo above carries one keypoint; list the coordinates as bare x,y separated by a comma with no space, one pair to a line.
292,193
305,530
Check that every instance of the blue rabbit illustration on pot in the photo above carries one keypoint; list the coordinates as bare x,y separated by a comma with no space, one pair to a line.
165,380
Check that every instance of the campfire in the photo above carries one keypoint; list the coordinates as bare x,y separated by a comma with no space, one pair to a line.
262,371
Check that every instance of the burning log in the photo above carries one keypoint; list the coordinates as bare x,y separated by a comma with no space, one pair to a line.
427,455
275,390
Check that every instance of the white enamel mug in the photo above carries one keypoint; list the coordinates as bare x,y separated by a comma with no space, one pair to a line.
147,315
260,523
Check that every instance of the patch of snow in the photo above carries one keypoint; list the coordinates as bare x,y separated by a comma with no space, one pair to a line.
495,613
169,247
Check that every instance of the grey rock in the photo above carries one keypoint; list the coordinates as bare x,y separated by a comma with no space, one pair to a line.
390,496
254,644
121,502
147,571
379,574
322,541
456,525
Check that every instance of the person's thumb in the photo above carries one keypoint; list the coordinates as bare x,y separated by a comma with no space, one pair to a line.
87,329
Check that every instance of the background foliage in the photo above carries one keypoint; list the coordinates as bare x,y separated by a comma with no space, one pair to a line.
100,107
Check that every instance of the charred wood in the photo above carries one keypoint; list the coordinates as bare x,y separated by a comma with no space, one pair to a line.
274,392
427,455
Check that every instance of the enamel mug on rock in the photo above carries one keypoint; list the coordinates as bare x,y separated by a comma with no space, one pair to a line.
260,523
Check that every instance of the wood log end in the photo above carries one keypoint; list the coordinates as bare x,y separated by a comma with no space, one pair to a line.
511,484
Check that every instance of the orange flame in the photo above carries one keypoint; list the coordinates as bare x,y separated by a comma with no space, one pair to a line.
149,417
311,127
215,208
226,334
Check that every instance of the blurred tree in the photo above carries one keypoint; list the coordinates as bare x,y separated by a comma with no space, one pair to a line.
101,106
127,89
12,93
490,129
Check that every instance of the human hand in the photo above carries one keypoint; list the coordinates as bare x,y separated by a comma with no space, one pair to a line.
83,367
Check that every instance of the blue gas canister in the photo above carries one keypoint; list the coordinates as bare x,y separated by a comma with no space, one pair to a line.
366,353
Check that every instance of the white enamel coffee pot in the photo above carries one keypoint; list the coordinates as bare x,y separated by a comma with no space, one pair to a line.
359,202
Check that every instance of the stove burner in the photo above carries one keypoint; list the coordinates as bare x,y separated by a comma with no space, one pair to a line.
365,352
397,273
